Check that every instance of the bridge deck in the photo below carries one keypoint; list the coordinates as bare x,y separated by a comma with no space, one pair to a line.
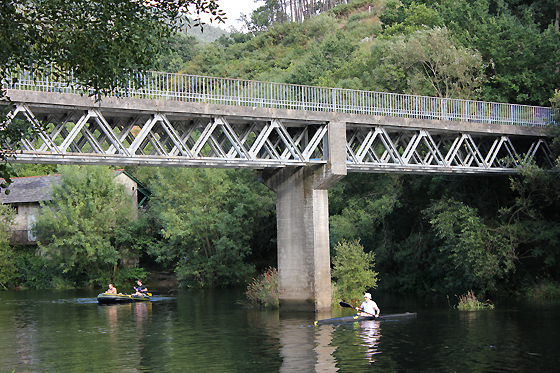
211,127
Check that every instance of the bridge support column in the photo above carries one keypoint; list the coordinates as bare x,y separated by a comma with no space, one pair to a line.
302,208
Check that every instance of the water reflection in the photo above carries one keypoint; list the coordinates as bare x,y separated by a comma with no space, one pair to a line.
325,350
369,331
307,348
207,331
126,328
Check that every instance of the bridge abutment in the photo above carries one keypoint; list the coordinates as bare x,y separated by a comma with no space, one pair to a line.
302,208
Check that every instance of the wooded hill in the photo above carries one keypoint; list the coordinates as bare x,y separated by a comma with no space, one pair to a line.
504,51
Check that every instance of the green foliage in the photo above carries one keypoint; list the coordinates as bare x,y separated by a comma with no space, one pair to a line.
353,270
34,169
124,277
521,60
263,291
465,49
359,204
543,290
533,217
469,302
344,9
210,219
35,271
94,44
328,55
183,49
435,65
77,228
7,259
100,40
553,131
407,20
481,254
11,132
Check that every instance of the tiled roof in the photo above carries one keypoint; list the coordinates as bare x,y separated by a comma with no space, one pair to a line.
30,189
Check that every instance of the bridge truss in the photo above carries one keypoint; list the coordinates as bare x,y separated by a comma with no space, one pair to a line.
74,135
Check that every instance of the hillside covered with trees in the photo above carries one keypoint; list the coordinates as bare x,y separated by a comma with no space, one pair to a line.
430,233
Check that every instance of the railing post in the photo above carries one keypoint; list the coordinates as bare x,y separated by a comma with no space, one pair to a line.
238,94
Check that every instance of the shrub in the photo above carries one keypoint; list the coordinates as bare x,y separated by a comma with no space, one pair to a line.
544,290
353,270
263,291
469,302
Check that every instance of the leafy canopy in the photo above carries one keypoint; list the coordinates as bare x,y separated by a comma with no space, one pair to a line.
353,270
7,261
209,219
100,41
78,226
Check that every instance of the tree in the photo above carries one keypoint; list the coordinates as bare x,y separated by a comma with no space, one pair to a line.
359,205
521,61
209,220
481,255
353,270
434,64
77,228
100,42
7,263
554,128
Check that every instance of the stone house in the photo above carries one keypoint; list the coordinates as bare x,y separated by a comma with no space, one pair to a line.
26,194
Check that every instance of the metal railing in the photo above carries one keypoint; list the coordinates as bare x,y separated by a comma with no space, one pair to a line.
223,91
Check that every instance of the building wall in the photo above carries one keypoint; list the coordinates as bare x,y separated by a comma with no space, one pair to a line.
132,188
23,222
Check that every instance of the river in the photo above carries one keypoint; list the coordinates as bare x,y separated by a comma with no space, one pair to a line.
208,331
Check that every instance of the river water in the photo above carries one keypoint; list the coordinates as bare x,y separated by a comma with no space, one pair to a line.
208,331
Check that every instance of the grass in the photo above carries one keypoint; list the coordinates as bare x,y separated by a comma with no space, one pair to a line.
263,291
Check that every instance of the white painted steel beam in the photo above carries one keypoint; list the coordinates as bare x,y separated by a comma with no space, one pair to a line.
133,137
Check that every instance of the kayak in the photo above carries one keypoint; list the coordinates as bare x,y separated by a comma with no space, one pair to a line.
105,298
354,318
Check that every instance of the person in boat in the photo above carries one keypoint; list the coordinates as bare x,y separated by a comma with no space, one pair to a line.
111,290
369,307
140,289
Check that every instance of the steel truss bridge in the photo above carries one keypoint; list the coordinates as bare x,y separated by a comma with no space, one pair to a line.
193,121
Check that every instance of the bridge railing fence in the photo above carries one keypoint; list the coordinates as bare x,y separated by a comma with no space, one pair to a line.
224,91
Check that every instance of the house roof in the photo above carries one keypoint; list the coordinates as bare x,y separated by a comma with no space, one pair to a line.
38,188
30,189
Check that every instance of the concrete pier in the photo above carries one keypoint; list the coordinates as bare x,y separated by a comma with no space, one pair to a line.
302,208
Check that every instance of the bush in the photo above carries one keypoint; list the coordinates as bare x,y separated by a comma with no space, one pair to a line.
469,302
544,290
353,270
263,291
35,271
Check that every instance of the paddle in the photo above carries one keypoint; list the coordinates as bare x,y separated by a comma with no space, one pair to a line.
348,305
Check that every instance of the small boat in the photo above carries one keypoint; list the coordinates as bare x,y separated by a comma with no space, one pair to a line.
354,318
106,298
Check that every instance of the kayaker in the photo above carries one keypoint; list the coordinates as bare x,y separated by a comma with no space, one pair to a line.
140,289
111,290
369,307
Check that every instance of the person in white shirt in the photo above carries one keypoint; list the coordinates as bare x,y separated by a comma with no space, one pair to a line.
369,307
